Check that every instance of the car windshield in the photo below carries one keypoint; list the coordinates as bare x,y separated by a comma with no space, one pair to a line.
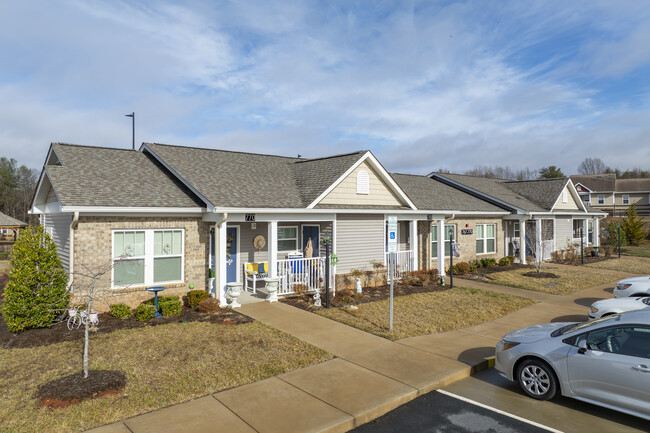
583,325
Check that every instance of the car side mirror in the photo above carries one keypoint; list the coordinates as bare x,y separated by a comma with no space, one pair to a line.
582,347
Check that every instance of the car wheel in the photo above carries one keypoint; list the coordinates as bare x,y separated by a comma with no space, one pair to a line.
537,379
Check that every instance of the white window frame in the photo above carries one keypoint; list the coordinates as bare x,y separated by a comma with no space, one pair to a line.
485,238
626,198
363,183
148,257
601,198
516,230
588,197
434,229
297,248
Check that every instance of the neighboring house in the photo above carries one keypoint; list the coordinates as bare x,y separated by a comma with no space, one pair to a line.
9,224
546,215
607,194
174,216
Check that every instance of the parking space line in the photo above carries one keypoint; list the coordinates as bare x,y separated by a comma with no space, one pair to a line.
493,409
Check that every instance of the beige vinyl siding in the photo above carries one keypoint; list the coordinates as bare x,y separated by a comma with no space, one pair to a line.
570,204
346,191
59,227
359,239
563,232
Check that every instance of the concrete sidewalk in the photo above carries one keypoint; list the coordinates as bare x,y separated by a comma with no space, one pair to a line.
369,377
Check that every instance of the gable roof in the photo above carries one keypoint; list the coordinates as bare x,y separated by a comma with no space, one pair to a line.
633,185
230,179
7,221
108,177
526,195
596,182
430,194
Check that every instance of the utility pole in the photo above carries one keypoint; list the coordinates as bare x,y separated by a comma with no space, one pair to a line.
132,116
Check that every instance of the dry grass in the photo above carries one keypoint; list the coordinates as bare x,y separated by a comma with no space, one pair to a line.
634,265
4,266
642,250
165,365
571,279
426,313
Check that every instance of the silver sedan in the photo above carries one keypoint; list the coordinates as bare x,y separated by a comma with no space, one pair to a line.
606,307
605,361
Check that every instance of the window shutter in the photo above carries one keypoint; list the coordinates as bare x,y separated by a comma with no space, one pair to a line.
363,182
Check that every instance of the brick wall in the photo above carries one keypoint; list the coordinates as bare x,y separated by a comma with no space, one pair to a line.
93,251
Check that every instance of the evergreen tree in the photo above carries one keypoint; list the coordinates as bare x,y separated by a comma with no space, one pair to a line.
633,226
550,172
36,292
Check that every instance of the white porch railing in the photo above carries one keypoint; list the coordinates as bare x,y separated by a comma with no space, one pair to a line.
307,272
404,262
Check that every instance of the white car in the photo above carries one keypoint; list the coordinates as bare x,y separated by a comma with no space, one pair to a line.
604,361
617,305
636,286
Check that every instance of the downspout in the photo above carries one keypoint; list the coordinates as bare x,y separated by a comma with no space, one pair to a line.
73,226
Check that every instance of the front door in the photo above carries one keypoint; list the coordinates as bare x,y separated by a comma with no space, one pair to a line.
231,254
311,232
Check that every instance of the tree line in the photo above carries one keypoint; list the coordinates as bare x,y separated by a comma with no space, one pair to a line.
17,186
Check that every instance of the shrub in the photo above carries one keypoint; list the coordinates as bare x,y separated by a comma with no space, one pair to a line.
556,256
161,299
503,261
36,292
209,305
474,265
511,259
194,297
347,300
611,237
633,226
170,308
120,311
488,262
145,312
461,268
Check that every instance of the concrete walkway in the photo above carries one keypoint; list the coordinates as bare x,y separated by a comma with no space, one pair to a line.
369,376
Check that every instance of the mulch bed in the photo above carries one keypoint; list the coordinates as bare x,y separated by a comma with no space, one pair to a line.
370,294
59,332
73,389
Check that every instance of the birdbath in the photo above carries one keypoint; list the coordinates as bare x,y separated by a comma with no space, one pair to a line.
155,290
271,286
234,290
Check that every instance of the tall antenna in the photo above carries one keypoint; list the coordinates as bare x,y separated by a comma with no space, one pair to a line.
132,116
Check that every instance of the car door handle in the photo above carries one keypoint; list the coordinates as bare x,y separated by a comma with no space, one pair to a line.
642,368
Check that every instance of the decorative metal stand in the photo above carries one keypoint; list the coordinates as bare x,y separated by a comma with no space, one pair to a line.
271,286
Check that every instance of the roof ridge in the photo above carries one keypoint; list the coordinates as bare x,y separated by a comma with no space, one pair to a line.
223,150
535,180
330,156
91,147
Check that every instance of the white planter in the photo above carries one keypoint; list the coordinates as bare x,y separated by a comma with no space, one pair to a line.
234,291
271,286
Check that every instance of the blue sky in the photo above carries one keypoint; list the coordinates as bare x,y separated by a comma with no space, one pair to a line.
424,85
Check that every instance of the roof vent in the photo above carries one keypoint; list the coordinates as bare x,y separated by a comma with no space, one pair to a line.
363,182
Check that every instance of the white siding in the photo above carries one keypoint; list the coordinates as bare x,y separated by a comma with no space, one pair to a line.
563,232
359,239
58,225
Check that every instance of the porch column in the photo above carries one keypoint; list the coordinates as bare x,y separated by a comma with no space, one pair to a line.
522,242
441,247
413,230
538,240
585,232
596,232
220,263
273,249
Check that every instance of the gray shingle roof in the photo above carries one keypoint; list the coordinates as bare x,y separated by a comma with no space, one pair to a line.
7,221
248,180
98,176
596,182
528,195
430,194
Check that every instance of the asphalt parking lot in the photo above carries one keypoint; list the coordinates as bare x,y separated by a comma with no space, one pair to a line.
500,407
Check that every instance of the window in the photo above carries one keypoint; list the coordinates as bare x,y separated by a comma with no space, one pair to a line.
626,340
363,182
601,198
577,226
586,199
517,232
287,238
590,231
144,257
626,198
565,197
449,229
485,238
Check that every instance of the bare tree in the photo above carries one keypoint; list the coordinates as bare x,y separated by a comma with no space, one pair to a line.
592,166
498,172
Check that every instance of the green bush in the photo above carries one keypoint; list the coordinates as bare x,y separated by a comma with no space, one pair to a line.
161,299
194,297
488,262
504,261
633,226
461,268
120,311
170,308
474,265
145,312
511,259
36,292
